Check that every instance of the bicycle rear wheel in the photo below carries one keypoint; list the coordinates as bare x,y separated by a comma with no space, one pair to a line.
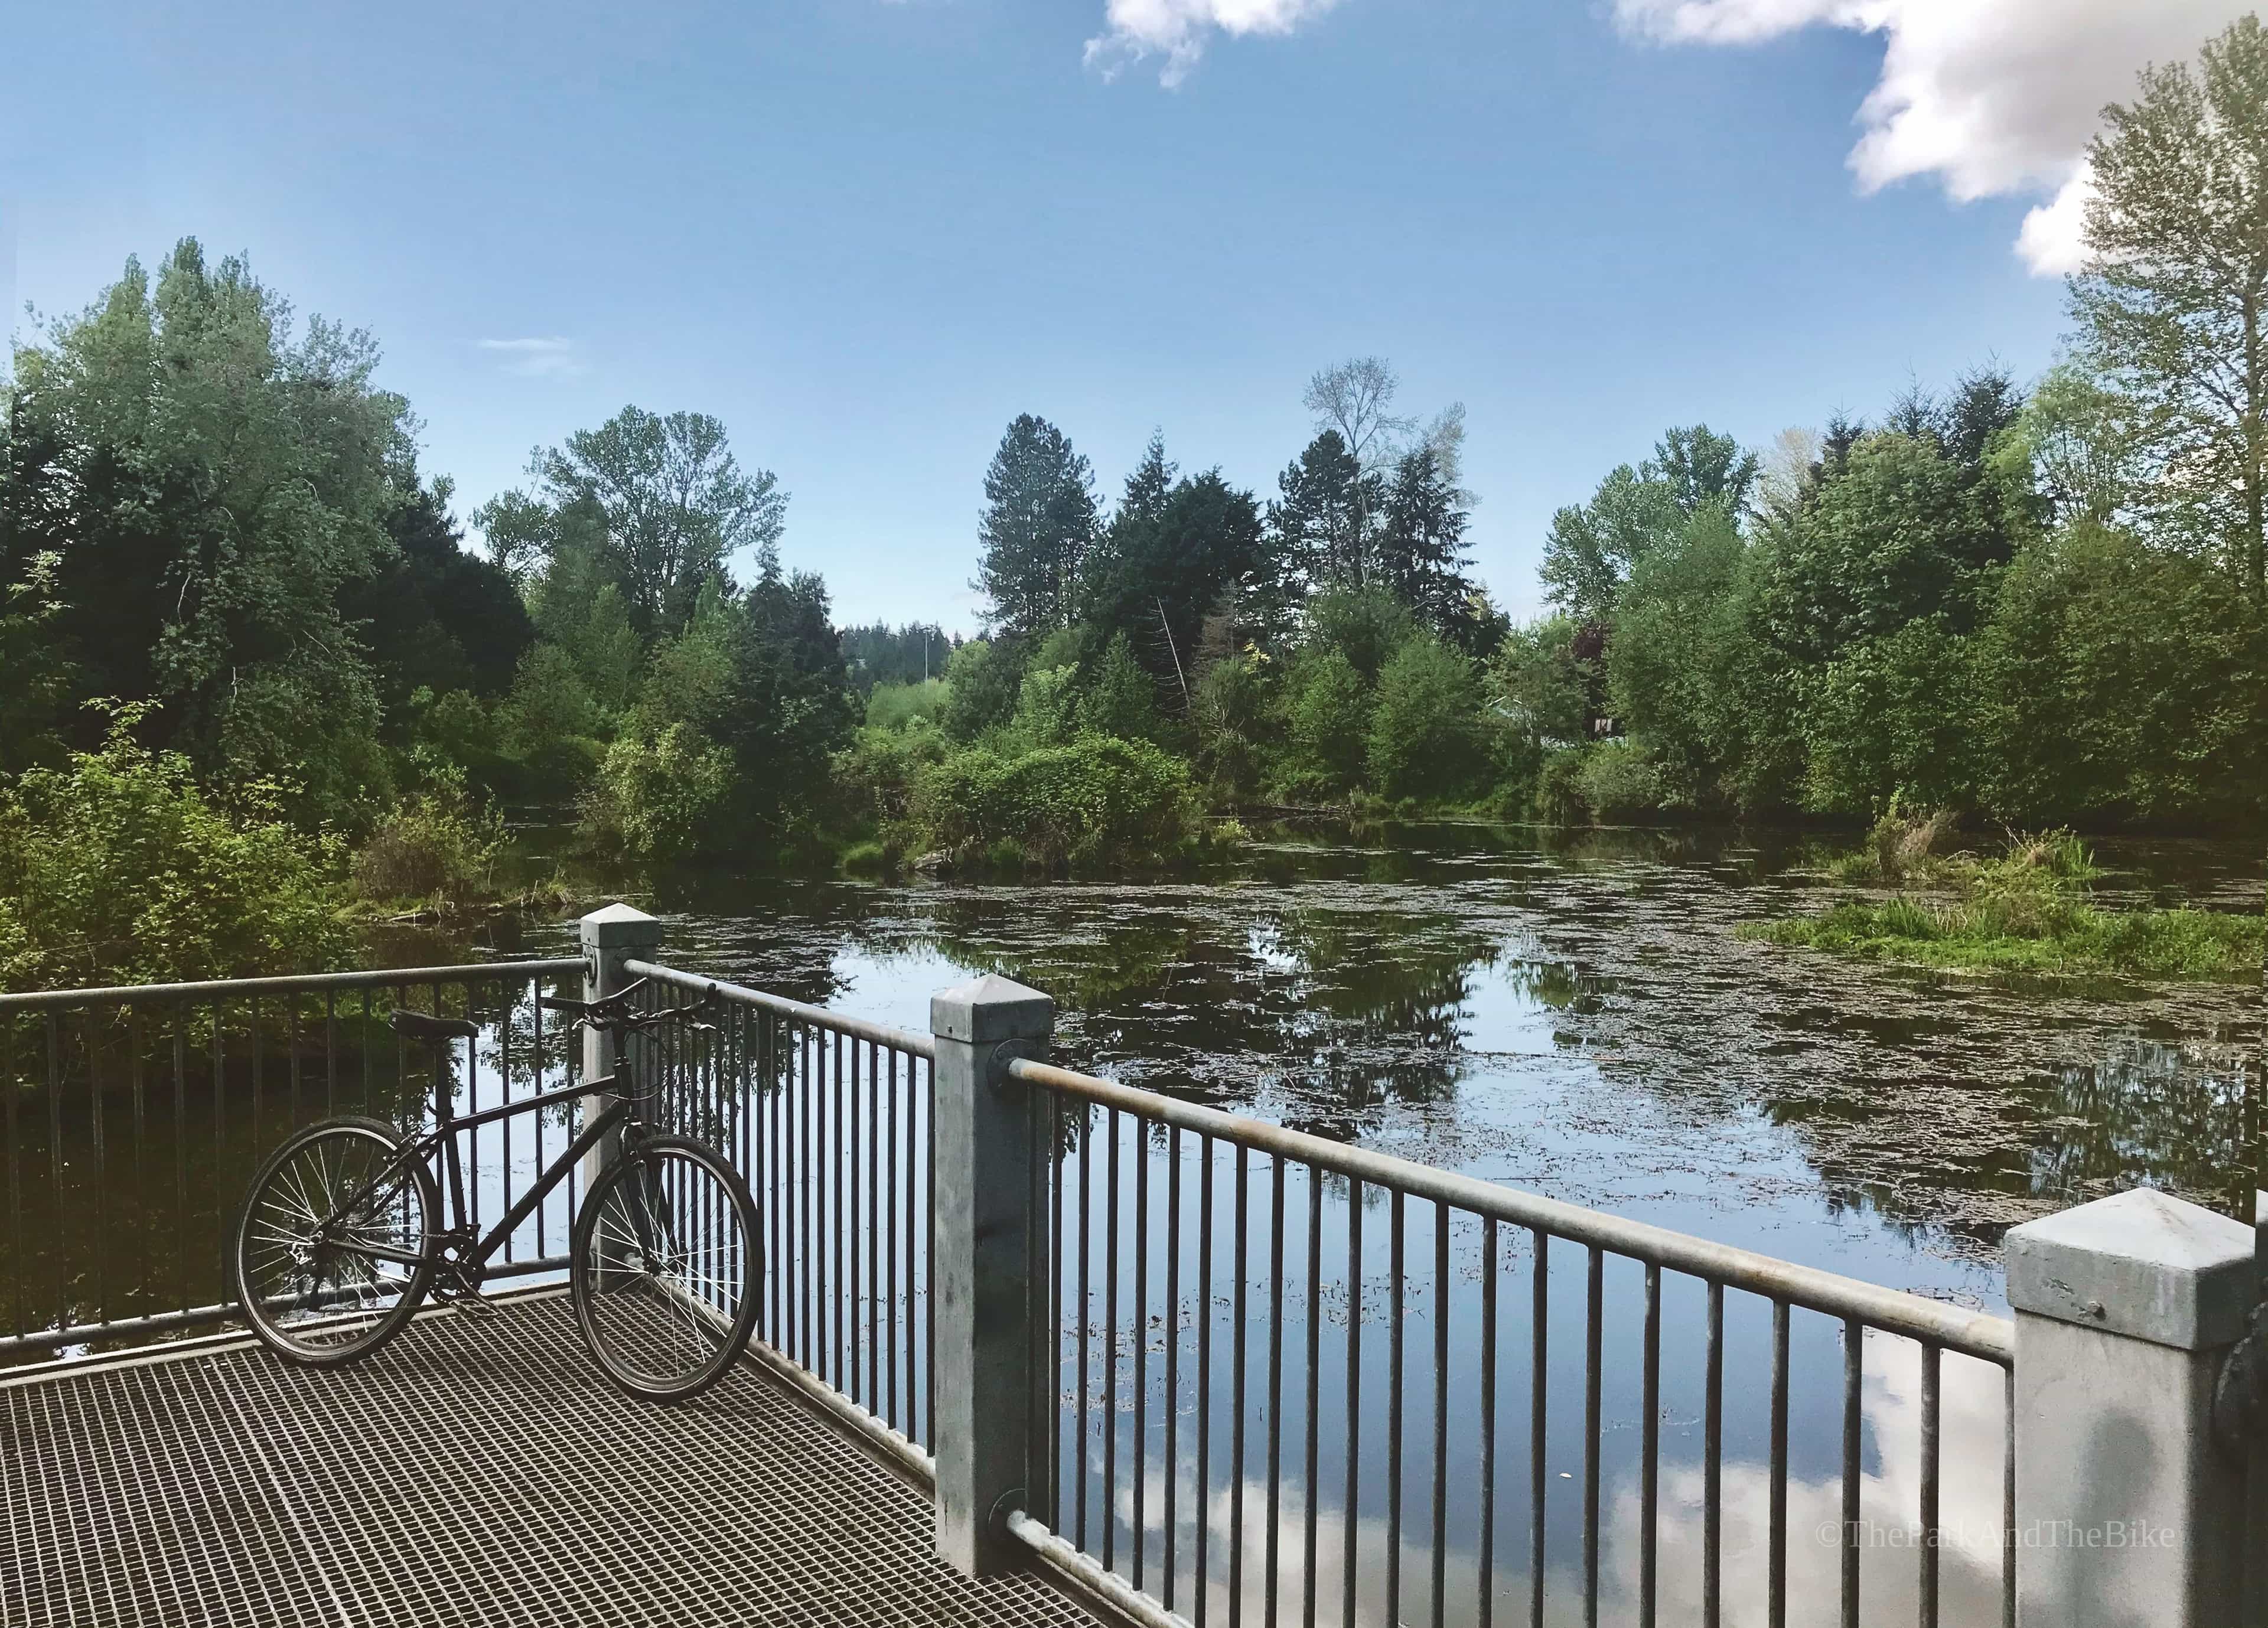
663,1271
299,1258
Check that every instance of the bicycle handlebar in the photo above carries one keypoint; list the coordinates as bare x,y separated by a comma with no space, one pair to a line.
612,1011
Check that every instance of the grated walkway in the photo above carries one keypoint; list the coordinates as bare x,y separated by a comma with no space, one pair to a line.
475,1471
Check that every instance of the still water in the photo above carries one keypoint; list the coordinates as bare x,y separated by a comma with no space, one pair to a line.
1572,1015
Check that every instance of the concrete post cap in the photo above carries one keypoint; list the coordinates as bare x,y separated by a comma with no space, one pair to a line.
2141,1263
991,1008
619,928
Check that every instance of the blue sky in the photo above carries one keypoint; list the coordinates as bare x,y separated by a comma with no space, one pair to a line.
865,234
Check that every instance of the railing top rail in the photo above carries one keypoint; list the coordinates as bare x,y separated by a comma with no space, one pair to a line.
908,1041
1974,1334
383,978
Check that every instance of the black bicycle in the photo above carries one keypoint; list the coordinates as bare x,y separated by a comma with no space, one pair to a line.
340,1239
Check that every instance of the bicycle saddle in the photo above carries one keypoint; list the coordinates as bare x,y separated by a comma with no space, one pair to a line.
420,1027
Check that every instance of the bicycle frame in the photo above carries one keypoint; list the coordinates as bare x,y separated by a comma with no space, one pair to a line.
442,1140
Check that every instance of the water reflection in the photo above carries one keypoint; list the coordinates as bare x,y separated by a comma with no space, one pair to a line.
1571,1011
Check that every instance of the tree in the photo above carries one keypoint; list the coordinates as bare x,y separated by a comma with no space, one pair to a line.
2172,304
208,484
1356,399
674,503
1174,557
1421,549
1701,467
1038,525
1591,548
1425,733
1316,536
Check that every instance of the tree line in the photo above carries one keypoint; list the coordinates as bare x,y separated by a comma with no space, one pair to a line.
218,550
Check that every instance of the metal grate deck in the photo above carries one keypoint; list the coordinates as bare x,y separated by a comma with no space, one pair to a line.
476,1472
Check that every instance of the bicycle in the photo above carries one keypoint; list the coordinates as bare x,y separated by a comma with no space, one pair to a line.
338,1242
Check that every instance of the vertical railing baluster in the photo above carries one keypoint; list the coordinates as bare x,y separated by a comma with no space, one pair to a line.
1313,1492
1274,1547
1776,1586
1539,1383
1352,1520
1930,1422
99,1193
1172,1354
1201,1579
141,1206
1650,1453
1593,1377
180,1162
18,1253
1059,1306
1140,1326
1486,1613
890,1244
876,1226
1438,1589
1394,1299
56,1243
1853,1375
1712,1465
1237,1373
2008,1498
1086,1300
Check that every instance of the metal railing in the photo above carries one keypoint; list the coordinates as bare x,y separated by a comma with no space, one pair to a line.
1280,1378
1288,1380
831,1119
131,1120
1186,1242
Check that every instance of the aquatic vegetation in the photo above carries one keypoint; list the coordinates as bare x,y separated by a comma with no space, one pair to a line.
2030,910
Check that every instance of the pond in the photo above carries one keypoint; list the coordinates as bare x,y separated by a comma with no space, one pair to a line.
1571,1013
1574,1015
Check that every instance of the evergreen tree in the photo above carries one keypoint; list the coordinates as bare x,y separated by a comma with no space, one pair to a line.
1421,547
1038,525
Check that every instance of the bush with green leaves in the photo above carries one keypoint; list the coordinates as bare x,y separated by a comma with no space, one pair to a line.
438,847
661,794
1427,737
119,867
898,706
1096,801
1326,710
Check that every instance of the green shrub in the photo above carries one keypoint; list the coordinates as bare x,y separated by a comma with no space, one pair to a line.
895,706
440,846
1622,778
119,868
1327,715
1123,701
661,794
1425,733
1096,801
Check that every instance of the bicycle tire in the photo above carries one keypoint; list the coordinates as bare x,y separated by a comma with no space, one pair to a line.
328,1338
616,1299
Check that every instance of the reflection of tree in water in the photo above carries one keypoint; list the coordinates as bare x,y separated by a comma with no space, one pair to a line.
2147,1112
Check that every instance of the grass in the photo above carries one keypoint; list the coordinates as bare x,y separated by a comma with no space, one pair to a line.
2030,910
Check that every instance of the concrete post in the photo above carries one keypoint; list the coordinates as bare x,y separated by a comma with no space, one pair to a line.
2125,1515
981,1278
609,938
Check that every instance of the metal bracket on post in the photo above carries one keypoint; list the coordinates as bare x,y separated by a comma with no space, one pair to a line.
981,1275
609,937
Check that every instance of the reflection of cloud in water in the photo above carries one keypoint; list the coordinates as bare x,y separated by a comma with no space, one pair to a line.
1971,1398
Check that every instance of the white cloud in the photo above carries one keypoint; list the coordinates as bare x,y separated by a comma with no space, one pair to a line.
1177,30
537,358
1992,97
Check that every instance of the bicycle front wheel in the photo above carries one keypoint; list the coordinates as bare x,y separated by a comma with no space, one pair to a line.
331,1253
663,1271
